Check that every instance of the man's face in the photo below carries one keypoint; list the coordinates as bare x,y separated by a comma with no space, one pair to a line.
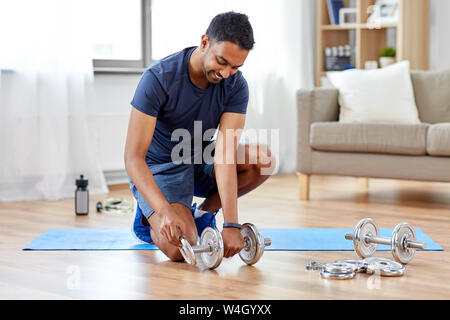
221,59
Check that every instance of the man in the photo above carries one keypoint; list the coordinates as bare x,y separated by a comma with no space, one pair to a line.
196,85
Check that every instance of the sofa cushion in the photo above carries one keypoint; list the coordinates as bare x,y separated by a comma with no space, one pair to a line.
432,93
377,96
438,140
387,138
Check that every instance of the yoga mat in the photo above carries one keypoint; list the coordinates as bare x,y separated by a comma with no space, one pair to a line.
282,240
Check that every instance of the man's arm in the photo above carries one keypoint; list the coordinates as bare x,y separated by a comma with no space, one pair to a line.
225,158
140,133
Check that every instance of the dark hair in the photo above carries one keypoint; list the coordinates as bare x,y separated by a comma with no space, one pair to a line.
232,26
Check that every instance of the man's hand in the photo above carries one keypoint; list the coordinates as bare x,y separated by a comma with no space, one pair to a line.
233,241
170,224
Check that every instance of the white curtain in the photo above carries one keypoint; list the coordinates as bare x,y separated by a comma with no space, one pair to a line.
46,79
281,62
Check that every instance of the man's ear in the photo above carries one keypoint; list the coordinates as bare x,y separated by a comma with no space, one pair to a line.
204,44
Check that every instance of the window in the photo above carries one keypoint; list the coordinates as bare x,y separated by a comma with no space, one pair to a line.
121,35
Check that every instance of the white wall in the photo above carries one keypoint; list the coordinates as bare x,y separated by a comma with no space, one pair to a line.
112,96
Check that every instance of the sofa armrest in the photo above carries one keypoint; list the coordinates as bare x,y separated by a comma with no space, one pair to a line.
314,105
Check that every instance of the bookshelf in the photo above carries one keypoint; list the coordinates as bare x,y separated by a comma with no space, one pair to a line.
411,34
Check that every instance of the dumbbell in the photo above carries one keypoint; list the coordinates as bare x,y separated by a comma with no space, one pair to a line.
254,244
403,241
211,247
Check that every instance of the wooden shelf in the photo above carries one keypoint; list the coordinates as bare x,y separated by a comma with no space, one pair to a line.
382,26
411,32
355,26
340,27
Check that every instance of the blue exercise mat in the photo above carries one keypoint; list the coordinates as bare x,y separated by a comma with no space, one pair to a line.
282,240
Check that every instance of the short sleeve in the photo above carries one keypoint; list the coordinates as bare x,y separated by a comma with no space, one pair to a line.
238,100
149,95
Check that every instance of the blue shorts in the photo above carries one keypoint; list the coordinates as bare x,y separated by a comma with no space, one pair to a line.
179,183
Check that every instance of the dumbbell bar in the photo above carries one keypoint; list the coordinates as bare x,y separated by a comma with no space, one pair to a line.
211,247
403,241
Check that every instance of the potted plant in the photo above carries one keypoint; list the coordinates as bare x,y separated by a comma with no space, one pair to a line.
387,56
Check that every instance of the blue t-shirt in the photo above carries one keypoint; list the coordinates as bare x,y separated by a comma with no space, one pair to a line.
167,92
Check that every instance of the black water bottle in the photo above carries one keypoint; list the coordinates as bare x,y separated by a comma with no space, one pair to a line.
81,196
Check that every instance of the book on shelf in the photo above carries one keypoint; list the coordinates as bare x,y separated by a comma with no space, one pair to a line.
338,58
333,10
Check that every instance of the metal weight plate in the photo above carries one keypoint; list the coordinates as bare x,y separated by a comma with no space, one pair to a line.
366,227
253,244
212,237
374,260
337,276
358,265
400,251
313,265
338,267
385,267
187,252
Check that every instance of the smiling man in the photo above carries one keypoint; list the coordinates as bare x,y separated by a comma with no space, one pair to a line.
196,85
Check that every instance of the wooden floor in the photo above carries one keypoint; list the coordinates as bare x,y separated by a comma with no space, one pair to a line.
336,202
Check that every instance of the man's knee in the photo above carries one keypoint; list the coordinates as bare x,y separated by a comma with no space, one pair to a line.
259,163
174,254
266,161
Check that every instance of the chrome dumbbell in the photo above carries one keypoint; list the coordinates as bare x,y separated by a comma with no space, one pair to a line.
211,246
403,241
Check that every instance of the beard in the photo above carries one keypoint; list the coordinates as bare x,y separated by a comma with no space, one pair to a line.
212,76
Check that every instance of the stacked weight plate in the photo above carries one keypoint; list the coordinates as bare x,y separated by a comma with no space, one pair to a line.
347,269
384,267
338,270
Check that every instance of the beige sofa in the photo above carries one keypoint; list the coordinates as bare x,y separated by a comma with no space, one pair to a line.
369,150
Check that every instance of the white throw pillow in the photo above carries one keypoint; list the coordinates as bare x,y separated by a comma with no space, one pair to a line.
378,95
